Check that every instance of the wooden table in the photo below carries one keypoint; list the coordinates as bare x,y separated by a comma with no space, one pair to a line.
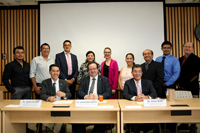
14,119
161,114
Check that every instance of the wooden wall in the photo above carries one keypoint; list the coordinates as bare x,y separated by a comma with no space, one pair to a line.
181,22
18,27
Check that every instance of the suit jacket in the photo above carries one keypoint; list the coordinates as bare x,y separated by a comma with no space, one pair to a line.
130,89
155,73
47,88
103,87
190,69
62,62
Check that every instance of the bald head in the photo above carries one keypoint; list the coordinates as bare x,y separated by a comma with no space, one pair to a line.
188,48
148,55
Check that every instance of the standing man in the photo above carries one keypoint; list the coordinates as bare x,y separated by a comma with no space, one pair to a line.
188,80
40,68
69,66
18,72
90,87
54,89
153,71
171,67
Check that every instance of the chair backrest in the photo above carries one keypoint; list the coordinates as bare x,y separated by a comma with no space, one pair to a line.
183,94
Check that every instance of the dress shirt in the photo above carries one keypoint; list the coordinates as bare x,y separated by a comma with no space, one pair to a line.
95,85
140,85
171,68
40,68
57,87
67,60
18,75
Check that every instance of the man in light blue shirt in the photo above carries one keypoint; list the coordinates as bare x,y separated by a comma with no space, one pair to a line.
171,66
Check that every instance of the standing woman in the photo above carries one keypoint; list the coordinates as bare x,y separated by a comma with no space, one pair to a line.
125,73
90,57
109,69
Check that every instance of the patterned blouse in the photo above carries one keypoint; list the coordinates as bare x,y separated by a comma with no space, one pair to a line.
84,72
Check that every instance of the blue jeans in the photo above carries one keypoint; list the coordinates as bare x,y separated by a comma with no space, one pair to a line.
22,93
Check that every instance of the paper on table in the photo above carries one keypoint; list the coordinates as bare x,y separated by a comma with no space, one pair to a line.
133,107
111,106
12,106
62,102
102,102
140,103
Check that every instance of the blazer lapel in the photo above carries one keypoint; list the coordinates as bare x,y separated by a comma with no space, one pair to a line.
60,86
87,84
134,86
99,81
51,89
64,60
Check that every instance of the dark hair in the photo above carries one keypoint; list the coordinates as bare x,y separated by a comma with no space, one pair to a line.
107,48
53,65
136,66
166,43
44,44
90,64
89,52
149,50
67,41
18,47
132,57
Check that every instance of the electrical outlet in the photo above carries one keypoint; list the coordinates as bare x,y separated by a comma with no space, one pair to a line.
4,56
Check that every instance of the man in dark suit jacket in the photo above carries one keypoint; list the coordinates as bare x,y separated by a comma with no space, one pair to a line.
54,89
69,66
139,89
189,75
90,88
153,71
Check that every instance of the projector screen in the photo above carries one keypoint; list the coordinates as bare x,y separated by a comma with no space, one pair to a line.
125,27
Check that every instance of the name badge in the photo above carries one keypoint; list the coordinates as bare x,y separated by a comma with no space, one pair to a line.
30,103
155,103
87,103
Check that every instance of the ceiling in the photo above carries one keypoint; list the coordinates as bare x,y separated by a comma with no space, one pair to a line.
35,2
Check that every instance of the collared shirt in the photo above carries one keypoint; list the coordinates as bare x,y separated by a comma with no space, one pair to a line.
95,85
18,75
57,87
40,68
139,83
147,64
171,68
67,60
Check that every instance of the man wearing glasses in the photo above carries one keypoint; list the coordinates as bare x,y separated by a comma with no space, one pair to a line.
171,67
69,66
153,71
39,70
138,89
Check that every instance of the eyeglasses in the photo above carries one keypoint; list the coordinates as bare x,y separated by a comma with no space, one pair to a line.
67,45
107,52
166,48
137,71
93,69
147,54
45,49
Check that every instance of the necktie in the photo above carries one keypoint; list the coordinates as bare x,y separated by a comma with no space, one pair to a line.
146,66
163,61
92,86
138,89
54,89
184,59
69,64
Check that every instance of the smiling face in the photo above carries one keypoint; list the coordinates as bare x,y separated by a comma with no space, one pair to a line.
67,47
166,49
54,72
45,51
129,60
107,53
90,57
188,48
92,69
137,73
148,56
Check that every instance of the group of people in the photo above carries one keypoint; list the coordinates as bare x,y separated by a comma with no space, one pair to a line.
56,79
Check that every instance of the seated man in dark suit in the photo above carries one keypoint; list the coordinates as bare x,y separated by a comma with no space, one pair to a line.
139,89
90,88
54,89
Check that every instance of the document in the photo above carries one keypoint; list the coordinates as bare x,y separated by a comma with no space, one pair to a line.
62,102
12,106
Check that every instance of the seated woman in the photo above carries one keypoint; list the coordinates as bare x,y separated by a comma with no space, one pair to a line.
125,73
83,69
